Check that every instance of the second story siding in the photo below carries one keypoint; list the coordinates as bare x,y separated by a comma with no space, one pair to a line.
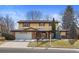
45,24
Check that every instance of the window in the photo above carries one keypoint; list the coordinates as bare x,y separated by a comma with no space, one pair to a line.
41,24
26,25
49,24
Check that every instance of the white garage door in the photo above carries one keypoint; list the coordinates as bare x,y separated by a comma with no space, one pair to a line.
23,35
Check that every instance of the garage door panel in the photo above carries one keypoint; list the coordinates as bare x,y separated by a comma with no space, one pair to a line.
25,36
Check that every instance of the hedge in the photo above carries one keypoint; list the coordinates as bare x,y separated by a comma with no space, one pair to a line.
8,36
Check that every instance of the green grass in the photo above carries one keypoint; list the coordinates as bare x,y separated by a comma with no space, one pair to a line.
55,44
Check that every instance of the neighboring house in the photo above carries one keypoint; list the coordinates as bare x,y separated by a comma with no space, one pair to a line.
30,29
64,33
77,29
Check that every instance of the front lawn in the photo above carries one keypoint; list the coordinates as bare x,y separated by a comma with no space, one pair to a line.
55,44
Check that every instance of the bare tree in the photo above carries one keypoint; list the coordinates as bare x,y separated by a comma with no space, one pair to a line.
9,23
34,15
6,24
2,24
47,17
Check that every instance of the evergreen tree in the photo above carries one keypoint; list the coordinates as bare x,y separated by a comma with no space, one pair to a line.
69,22
53,28
68,17
72,31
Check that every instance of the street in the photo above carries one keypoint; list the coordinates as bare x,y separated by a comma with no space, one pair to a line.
28,50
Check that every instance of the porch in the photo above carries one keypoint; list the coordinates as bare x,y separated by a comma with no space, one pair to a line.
41,34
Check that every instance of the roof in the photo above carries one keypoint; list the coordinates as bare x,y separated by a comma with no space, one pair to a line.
34,21
34,30
42,29
30,29
24,30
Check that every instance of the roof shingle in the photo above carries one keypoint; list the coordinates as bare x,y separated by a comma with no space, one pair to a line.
24,21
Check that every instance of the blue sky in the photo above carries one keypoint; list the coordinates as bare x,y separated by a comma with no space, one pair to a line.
18,12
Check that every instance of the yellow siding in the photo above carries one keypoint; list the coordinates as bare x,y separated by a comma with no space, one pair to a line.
20,25
36,25
47,26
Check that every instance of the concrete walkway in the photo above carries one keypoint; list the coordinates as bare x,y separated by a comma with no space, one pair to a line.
14,44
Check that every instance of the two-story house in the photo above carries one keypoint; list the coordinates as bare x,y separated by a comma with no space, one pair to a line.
30,29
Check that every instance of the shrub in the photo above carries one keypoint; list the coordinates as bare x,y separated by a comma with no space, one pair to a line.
72,41
8,36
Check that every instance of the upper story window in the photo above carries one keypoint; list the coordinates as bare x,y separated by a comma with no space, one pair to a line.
49,24
26,24
41,24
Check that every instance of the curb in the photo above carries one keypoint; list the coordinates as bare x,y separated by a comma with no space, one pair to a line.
69,49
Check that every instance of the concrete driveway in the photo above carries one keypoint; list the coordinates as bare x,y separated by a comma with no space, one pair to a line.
12,44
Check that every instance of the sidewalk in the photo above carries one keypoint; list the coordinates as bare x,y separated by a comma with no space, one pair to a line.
14,44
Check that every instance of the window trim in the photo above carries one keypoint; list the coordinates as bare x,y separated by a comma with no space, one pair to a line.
26,25
49,24
41,24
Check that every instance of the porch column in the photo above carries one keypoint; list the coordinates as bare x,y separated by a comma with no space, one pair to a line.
47,33
50,39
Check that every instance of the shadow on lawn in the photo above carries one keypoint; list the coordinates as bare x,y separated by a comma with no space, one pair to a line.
42,43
